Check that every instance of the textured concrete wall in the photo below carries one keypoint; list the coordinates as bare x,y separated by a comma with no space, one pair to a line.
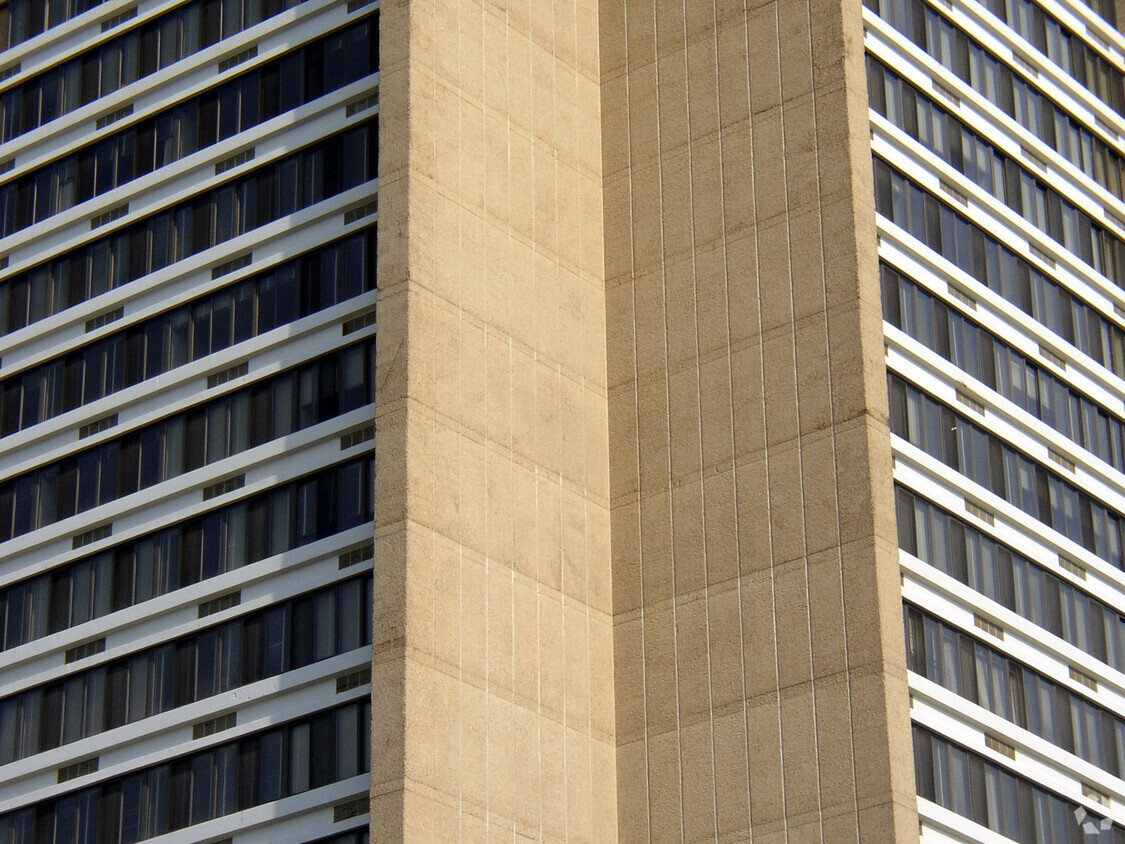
760,675
492,675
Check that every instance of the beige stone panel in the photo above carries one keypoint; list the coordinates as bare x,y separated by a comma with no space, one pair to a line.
579,800
765,68
632,791
684,423
574,561
473,657
647,255
674,129
692,661
807,249
819,490
498,496
603,698
775,300
499,632
759,638
679,305
618,228
703,85
441,723
834,746
752,501
526,627
763,730
733,82
696,753
660,669
669,15
796,48
624,444
724,629
786,503
799,760
791,609
666,808
742,285
653,435
649,314
826,613
548,502
841,827
572,431
711,311
708,218
720,513
802,181
552,642
474,749
627,578
675,206
576,670
599,576
603,785
658,583
529,771
769,163
688,540
621,357
732,777
748,401
552,744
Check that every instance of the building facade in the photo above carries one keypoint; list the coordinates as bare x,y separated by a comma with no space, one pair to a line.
188,377
749,382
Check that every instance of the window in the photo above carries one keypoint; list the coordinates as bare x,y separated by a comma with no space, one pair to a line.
1002,368
201,665
1007,577
243,532
110,66
172,339
1007,688
200,786
1008,274
960,780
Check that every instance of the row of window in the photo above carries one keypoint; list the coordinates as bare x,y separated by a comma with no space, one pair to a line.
121,61
1106,8
287,636
297,181
312,71
967,245
983,458
1062,46
1005,687
209,324
975,788
954,547
358,836
1006,370
24,19
291,401
288,516
309,753
997,83
999,174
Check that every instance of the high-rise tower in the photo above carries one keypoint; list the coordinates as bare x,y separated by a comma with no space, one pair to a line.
749,387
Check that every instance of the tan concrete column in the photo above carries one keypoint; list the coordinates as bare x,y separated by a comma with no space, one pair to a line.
492,675
759,659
